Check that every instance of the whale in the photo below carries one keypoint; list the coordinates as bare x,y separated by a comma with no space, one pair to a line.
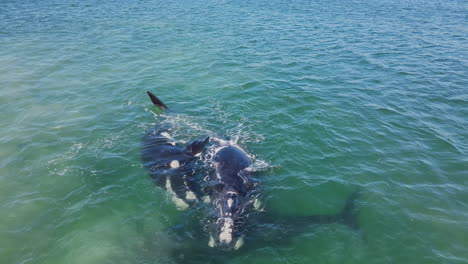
172,165
224,192
233,195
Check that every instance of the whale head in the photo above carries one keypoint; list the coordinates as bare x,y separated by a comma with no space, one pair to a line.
228,227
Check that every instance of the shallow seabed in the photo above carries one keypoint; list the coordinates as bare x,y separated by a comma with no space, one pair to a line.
332,96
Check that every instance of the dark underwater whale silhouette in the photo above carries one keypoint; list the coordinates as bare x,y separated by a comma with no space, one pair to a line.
223,193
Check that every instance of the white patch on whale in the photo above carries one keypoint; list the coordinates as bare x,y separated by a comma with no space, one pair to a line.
211,243
189,195
174,164
229,202
226,231
180,204
239,243
257,204
206,199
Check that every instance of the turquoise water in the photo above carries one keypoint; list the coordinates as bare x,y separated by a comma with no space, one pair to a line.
327,96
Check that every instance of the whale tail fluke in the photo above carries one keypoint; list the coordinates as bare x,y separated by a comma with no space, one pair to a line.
156,100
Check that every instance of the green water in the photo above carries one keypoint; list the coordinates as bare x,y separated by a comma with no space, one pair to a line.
332,96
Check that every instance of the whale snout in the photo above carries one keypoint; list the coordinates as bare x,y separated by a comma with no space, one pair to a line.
226,230
227,238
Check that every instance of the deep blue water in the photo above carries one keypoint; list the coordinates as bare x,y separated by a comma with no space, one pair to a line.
326,96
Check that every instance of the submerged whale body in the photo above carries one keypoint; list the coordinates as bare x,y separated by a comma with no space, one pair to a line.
232,196
224,186
171,165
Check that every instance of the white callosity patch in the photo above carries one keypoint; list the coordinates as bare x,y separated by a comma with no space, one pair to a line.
206,199
180,204
229,202
257,205
211,243
226,231
239,243
189,195
174,164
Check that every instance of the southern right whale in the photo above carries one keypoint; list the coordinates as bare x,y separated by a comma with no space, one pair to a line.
233,195
172,165
231,216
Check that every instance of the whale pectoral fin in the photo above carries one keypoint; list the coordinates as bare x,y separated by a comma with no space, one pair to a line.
156,100
197,146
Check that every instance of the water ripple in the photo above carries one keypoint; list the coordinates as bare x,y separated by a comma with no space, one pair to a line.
333,95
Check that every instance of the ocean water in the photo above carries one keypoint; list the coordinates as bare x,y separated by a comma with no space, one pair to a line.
328,97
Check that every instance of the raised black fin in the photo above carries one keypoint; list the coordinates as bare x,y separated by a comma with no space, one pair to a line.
156,100
197,146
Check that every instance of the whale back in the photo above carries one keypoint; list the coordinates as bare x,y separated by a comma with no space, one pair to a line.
230,162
